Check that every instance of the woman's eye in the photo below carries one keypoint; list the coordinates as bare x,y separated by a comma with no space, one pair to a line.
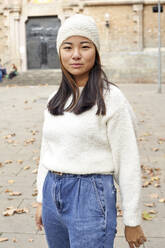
85,47
67,48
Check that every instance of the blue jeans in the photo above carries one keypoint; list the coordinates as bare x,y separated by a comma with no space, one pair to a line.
79,211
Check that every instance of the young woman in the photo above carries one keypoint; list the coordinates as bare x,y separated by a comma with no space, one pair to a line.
88,140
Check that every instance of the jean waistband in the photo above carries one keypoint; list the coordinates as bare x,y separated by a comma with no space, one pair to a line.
63,174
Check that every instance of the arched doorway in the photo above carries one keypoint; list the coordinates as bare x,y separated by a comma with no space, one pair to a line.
41,33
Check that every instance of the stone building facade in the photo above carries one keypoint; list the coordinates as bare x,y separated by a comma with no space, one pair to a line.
128,33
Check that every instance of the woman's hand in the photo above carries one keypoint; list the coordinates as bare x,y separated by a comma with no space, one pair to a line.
134,236
38,217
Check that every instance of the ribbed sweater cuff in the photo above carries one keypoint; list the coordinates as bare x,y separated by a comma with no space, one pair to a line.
132,219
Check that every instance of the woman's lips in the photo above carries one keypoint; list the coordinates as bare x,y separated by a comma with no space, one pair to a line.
76,65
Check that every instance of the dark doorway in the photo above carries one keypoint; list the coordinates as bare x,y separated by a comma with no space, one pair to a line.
41,33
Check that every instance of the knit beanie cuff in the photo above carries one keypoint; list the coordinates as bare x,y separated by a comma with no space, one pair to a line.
78,25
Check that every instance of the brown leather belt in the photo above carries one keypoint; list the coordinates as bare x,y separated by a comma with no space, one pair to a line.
59,173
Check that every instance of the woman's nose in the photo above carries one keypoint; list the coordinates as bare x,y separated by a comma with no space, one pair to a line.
76,54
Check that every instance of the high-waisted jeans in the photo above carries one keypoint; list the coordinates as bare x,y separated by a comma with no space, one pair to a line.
79,211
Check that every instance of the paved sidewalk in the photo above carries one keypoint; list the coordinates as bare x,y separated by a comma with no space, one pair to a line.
21,121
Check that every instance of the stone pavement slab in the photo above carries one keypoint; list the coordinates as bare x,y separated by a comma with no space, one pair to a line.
22,114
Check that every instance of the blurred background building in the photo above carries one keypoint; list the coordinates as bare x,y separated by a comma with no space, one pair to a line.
128,33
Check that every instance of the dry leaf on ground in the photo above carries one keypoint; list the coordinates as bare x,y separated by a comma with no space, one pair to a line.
146,216
15,193
34,171
8,190
146,134
3,239
155,178
161,140
150,204
8,162
31,240
19,161
152,211
14,240
26,167
157,185
30,141
146,184
162,200
155,149
11,181
11,211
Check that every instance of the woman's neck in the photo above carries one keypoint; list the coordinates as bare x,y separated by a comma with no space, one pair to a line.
81,81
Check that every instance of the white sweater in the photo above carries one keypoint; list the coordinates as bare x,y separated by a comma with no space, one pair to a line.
88,143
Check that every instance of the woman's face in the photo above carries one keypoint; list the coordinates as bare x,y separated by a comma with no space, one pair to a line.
78,56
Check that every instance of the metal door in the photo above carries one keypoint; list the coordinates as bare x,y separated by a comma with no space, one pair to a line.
41,33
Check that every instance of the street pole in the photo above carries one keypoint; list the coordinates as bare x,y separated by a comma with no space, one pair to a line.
159,49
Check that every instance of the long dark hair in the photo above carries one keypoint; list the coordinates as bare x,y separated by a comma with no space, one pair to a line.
91,94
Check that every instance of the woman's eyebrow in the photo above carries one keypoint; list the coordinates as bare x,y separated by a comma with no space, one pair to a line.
82,42
70,43
65,42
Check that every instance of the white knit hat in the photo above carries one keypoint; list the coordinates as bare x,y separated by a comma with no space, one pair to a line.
80,25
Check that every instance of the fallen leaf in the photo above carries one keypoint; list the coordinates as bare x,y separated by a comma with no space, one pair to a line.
19,161
34,194
8,162
26,167
162,200
9,135
8,190
34,171
144,177
162,139
21,210
146,184
152,211
3,239
34,132
146,134
11,181
11,211
15,193
155,149
150,204
146,216
157,185
31,240
10,141
31,141
156,178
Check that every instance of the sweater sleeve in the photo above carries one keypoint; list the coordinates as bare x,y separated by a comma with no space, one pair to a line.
122,136
42,170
